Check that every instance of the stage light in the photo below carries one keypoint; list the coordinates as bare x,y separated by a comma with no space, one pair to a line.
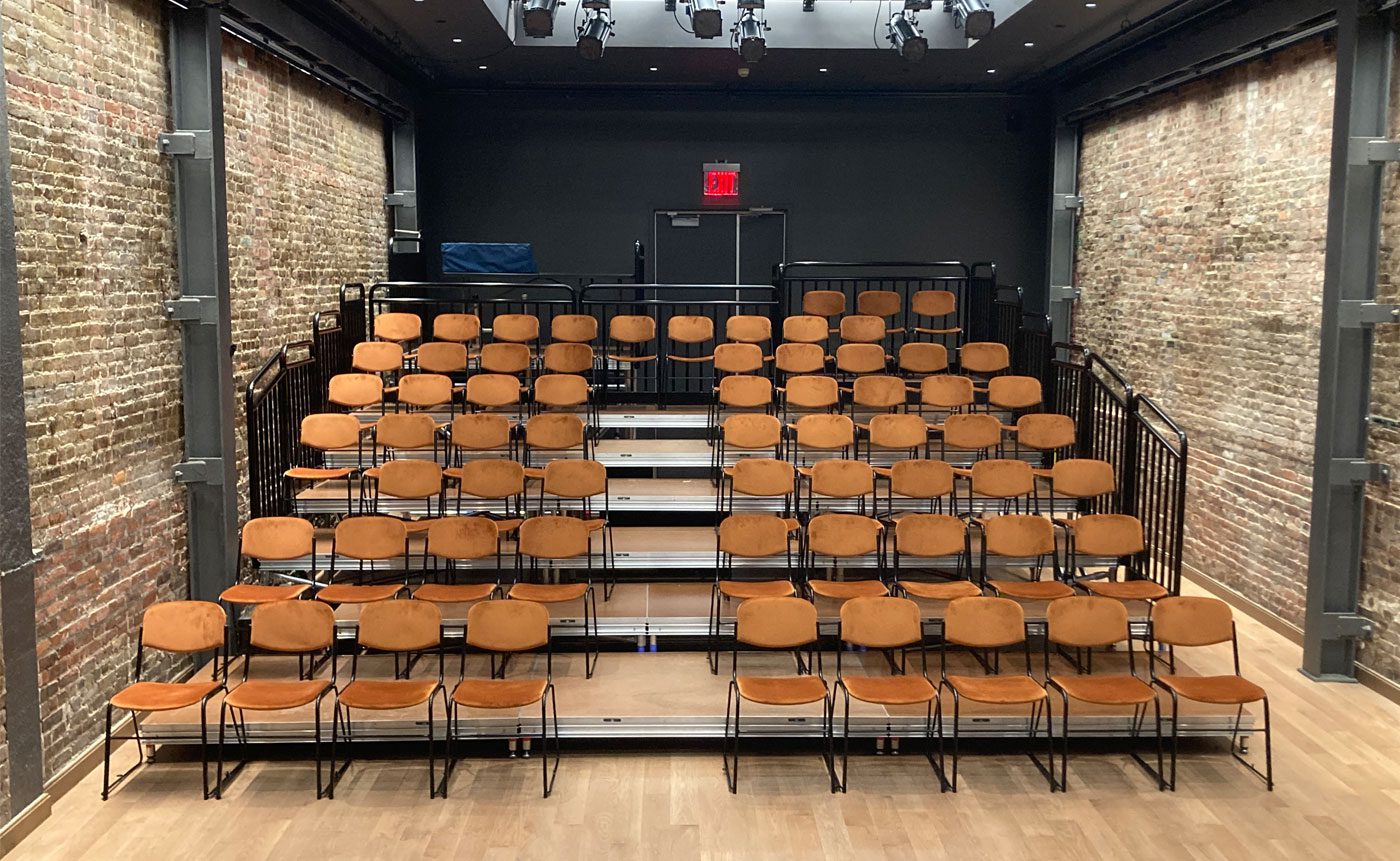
705,19
905,36
537,16
593,33
749,40
974,17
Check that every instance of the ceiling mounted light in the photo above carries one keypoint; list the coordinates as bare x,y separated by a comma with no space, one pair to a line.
537,17
974,17
705,19
593,33
748,34
905,36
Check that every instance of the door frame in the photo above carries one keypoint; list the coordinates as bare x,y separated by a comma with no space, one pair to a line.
737,214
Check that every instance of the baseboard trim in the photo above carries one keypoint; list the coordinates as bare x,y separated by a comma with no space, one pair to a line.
22,824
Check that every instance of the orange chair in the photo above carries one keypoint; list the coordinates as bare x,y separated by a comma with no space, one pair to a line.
425,392
1089,482
741,392
748,329
946,393
984,358
460,328
1009,482
1113,536
878,393
1050,433
453,540
921,358
492,481
567,357
515,328
746,432
1027,537
928,481
748,537
633,337
927,539
807,393
179,628
844,536
266,541
808,328
442,357
476,433
823,303
370,540
407,484
900,435
1013,393
554,539
399,327
356,391
853,360
759,477
495,393
505,358
938,306
823,434
793,359
377,357
885,304
977,433
556,434
404,432
839,480
573,329
322,433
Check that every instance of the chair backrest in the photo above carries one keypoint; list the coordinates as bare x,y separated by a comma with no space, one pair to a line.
326,431
972,431
879,391
748,329
738,358
690,329
463,538
898,431
752,431
745,391
461,328
1082,478
355,390
1014,393
442,357
410,479
370,537
1045,431
946,392
799,358
1192,621
776,623
1086,621
923,357
277,538
805,328
843,479
491,479
753,536
632,329
763,477
1107,535
294,627
554,431
505,358
862,329
824,303
560,390
984,357
377,357
811,392
493,390
825,431
507,626
880,622
982,622
425,390
1002,478
860,358
398,326
921,479
405,431
1018,535
878,303
481,431
515,327
400,626
553,536
575,328
566,357
843,535
930,535
184,626
933,303
575,479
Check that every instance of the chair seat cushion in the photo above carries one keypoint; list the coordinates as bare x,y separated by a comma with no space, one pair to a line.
743,590
441,593
891,690
1224,690
498,693
548,593
843,590
255,593
162,696
267,695
310,473
1115,690
781,690
345,593
1003,690
1126,590
1031,590
384,694
945,591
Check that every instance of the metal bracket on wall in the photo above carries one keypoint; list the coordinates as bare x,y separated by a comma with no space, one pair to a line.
1348,471
192,309
1362,151
1361,313
401,198
1350,626
1064,293
205,471
1068,201
192,144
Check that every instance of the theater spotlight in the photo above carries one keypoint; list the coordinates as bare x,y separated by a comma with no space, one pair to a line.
905,36
593,33
705,19
749,40
974,17
538,17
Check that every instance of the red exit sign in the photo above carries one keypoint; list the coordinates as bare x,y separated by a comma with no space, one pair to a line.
721,181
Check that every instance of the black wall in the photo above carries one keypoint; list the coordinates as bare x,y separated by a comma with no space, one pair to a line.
862,177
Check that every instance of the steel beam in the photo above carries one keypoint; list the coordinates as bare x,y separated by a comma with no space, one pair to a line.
1064,216
403,200
201,225
18,644
1365,48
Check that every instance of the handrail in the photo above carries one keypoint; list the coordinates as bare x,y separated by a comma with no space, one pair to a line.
783,268
279,359
1160,414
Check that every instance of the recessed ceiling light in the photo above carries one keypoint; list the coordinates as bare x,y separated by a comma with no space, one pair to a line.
1091,5
482,68
653,68
1030,44
991,71
457,41
823,71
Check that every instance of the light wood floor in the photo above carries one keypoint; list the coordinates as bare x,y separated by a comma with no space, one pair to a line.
1337,761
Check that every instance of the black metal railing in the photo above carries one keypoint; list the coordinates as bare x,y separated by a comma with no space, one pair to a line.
428,299
284,391
1158,451
906,279
979,315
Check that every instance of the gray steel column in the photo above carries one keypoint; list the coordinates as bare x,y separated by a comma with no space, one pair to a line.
17,561
201,227
404,198
1365,47
1064,213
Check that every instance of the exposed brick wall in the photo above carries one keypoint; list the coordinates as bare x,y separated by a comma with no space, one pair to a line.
1201,263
